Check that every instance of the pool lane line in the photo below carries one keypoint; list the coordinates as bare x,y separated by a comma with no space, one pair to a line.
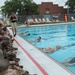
33,60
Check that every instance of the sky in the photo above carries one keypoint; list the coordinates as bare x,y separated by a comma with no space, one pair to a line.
59,2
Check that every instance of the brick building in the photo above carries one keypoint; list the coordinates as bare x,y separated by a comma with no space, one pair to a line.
50,8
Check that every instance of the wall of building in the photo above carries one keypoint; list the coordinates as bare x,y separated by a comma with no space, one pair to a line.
50,8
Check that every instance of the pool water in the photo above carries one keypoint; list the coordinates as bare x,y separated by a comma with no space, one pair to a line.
63,35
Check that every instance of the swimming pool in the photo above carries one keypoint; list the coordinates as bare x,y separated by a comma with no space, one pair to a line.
63,35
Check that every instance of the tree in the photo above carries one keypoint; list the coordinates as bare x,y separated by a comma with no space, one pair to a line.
22,7
71,5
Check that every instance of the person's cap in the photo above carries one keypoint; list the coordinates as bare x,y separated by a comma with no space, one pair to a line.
1,54
4,64
5,38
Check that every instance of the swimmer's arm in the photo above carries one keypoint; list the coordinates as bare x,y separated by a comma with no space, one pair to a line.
31,40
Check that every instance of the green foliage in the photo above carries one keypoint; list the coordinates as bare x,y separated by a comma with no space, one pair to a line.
71,5
22,7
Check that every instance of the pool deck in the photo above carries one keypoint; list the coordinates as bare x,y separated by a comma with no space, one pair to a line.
37,62
48,24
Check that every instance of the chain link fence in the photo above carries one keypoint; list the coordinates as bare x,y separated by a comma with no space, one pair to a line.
50,17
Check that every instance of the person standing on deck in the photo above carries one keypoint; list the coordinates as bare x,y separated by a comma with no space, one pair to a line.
13,19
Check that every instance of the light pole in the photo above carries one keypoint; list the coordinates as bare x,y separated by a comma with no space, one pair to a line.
68,11
68,8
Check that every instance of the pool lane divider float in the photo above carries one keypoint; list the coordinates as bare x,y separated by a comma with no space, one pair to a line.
33,60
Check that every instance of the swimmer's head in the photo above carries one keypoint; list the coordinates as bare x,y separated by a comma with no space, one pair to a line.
39,37
29,34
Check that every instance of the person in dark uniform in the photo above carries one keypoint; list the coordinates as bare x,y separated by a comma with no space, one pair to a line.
13,19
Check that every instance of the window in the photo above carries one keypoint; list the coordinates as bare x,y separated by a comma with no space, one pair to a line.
47,9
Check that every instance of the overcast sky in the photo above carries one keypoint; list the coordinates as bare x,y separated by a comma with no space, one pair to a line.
59,2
